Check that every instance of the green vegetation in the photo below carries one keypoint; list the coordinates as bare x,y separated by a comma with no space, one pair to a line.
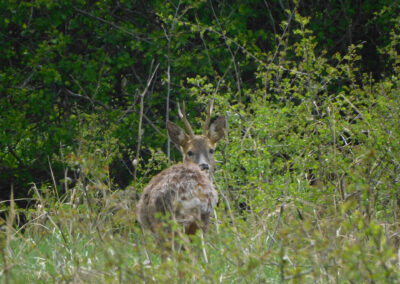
309,175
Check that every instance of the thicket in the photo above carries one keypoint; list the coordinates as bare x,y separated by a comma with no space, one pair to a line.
309,172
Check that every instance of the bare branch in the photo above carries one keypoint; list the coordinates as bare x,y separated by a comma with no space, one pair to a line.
93,101
26,81
113,25
140,131
235,65
129,110
12,152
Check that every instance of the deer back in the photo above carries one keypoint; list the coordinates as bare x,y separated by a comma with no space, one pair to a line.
184,191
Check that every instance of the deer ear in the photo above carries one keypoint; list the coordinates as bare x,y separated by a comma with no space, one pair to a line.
217,129
177,135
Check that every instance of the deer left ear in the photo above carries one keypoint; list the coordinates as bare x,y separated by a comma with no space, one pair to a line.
177,135
217,129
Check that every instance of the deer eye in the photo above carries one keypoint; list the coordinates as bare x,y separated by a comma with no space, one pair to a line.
190,153
212,151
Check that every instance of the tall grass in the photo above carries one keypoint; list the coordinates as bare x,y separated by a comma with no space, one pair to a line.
103,243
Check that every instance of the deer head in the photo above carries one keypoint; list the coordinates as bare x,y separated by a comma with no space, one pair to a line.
198,149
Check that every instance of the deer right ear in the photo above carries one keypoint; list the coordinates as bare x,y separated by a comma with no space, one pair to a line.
217,129
177,135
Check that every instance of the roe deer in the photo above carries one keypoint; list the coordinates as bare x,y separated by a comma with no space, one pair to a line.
184,190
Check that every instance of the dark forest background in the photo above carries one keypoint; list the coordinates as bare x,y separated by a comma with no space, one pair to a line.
66,64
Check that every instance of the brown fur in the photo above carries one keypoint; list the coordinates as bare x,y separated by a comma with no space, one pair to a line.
184,190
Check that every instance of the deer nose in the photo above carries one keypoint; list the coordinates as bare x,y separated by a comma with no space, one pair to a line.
204,166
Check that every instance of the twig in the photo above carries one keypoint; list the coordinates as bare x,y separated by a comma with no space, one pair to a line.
153,126
236,231
283,34
203,247
148,259
59,229
145,118
85,190
26,81
354,107
93,101
168,36
271,17
54,180
10,149
279,218
129,110
112,24
276,225
236,67
140,131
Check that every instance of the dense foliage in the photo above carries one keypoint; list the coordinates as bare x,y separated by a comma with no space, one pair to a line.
309,172
62,60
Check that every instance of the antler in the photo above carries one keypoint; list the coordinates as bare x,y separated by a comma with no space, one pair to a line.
207,121
182,115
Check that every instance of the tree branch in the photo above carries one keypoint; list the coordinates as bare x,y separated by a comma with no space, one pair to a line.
93,101
112,25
